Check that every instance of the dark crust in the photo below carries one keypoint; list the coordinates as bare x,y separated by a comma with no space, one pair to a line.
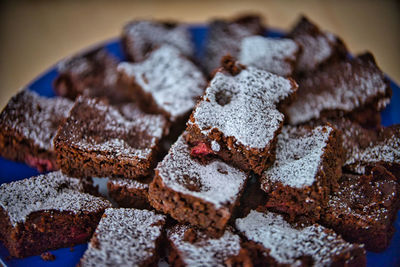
293,201
127,197
45,231
174,257
186,208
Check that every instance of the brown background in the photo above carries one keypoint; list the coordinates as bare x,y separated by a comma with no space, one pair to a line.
36,34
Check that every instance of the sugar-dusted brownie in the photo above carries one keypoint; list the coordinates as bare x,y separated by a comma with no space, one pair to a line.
130,193
278,56
125,237
224,37
364,209
140,37
47,212
189,246
202,194
274,242
28,125
238,117
342,89
307,166
166,82
317,47
98,140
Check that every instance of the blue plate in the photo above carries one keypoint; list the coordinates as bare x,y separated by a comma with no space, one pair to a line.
11,171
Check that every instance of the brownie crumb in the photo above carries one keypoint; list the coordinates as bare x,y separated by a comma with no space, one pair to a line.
231,65
47,256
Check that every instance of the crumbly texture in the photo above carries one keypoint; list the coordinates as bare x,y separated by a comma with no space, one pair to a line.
28,125
277,56
130,193
307,166
364,209
166,82
140,37
192,247
282,244
98,140
239,112
47,212
317,47
224,37
339,90
125,237
190,191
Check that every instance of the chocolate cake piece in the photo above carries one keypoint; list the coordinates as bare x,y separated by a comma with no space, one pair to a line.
342,89
189,246
125,237
225,35
99,141
365,208
202,194
278,243
47,212
28,125
238,117
277,56
307,166
130,193
140,37
166,83
317,47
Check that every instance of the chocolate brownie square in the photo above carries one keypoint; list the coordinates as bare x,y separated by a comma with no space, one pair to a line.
130,193
202,194
189,246
317,47
140,37
28,125
125,237
98,140
238,117
307,166
353,88
276,242
277,56
225,35
365,208
46,212
166,83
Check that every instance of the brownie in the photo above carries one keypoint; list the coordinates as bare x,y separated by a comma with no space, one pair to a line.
98,140
165,82
347,88
307,166
318,47
28,125
238,117
278,56
125,237
47,212
130,193
365,208
140,37
279,243
202,194
189,246
225,35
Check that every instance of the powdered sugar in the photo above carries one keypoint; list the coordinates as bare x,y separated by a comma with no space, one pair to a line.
129,183
52,191
215,146
124,237
274,55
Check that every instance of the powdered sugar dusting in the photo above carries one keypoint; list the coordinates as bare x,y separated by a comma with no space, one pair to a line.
205,251
244,106
51,191
129,183
286,243
274,55
124,237
217,182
